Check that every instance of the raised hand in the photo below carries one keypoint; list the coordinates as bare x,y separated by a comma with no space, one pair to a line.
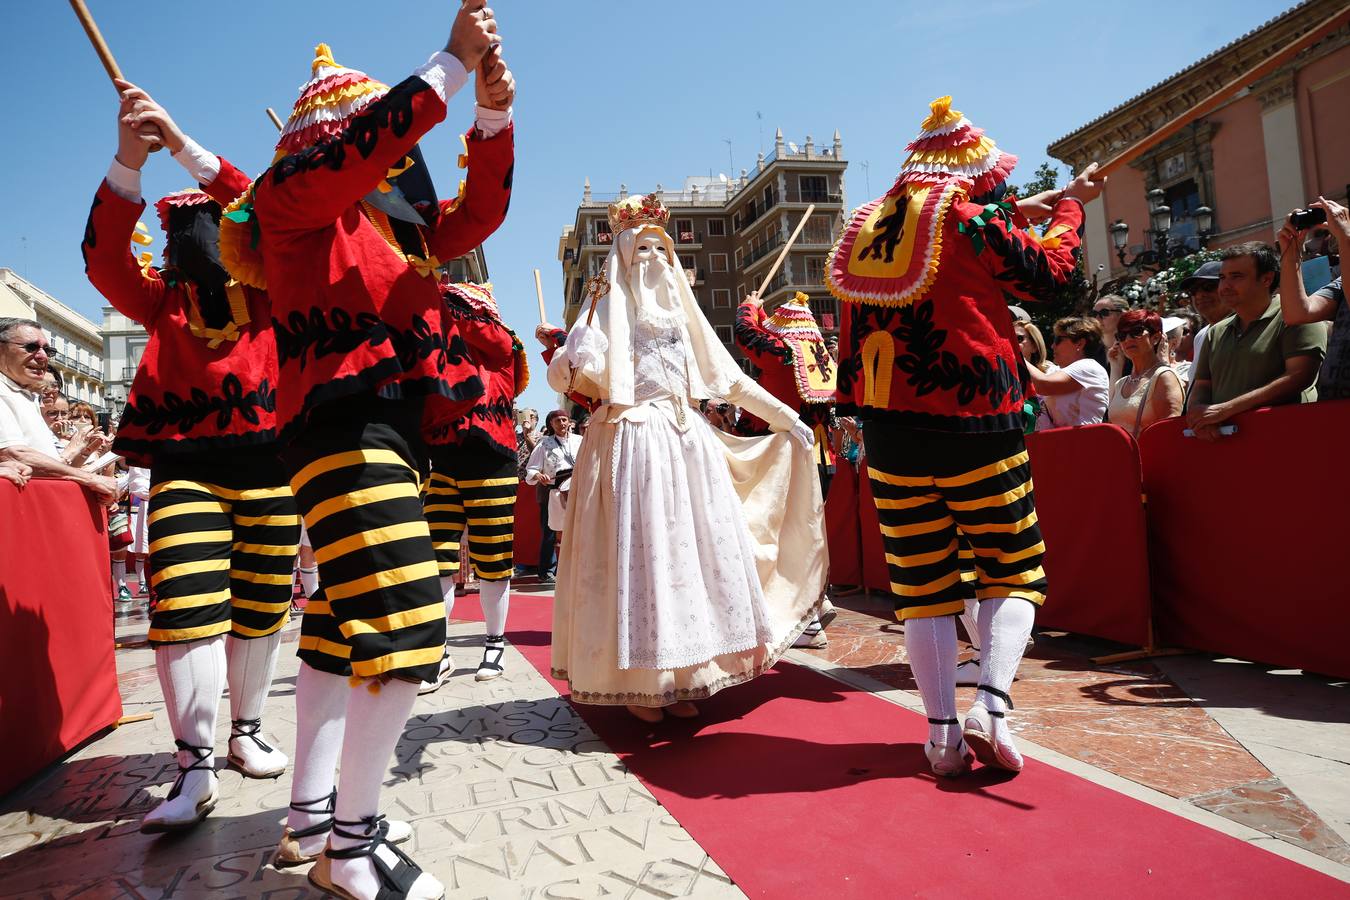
1083,188
494,86
150,121
474,31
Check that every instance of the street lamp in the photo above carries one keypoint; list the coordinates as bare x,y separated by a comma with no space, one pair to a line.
1160,222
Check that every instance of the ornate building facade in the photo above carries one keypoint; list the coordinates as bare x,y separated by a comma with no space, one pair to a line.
1278,144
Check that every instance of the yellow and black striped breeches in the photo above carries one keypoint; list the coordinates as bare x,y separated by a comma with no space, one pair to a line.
472,485
950,505
355,473
223,539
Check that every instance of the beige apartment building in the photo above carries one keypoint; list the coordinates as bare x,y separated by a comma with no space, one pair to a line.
77,341
728,231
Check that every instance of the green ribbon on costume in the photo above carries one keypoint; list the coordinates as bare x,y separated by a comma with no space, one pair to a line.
974,227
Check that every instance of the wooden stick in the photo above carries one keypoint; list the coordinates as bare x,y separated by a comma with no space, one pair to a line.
782,255
539,292
595,288
138,717
276,120
96,38
1223,94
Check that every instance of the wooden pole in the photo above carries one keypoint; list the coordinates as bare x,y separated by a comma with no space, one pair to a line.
276,120
96,38
597,287
1229,90
782,255
539,292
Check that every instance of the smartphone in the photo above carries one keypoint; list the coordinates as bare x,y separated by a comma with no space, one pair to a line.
1303,219
104,421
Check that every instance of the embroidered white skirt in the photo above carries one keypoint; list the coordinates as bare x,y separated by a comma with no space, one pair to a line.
669,541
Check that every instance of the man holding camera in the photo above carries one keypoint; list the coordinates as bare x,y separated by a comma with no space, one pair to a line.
1325,305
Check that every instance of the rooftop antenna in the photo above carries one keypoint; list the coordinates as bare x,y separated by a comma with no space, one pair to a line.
867,176
759,117
792,148
730,162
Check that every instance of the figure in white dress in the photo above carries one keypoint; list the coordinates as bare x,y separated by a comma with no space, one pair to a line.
694,557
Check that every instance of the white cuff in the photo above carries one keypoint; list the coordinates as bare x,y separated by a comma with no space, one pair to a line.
490,122
444,73
124,182
201,164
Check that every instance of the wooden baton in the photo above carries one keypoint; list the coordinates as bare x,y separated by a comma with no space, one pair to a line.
773,270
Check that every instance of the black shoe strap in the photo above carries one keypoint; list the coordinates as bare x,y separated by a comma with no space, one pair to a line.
997,693
249,728
943,722
395,882
204,760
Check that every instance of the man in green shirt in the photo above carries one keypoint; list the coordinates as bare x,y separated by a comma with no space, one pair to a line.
1252,358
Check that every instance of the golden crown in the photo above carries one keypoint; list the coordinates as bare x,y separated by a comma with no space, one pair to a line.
631,212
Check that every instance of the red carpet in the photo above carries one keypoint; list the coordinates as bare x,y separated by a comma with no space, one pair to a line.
799,786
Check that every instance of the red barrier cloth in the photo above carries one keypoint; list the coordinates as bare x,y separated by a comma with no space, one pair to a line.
843,529
876,574
525,543
1248,535
58,678
1088,500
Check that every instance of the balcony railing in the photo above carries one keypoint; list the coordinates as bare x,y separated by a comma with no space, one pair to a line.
689,237
762,251
815,196
128,372
756,209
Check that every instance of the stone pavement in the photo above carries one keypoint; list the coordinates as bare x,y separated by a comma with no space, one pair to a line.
512,796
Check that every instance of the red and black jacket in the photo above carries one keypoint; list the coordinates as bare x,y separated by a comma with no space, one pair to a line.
200,387
353,314
500,358
949,361
772,357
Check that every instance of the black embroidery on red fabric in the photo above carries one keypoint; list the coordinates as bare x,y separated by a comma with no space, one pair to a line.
751,336
393,111
926,365
90,234
1026,268
321,334
183,415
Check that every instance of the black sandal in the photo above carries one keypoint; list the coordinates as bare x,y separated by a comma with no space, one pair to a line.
394,883
250,728
490,668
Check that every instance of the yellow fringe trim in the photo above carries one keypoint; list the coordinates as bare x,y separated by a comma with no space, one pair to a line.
237,254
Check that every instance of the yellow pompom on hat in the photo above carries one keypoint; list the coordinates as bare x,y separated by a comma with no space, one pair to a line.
949,147
328,102
793,320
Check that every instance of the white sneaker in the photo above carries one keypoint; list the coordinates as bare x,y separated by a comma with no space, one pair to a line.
494,648
987,734
442,675
192,797
252,752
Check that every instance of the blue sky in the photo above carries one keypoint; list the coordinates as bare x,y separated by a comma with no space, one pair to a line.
620,92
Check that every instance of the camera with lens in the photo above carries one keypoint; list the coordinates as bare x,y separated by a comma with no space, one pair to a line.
1303,219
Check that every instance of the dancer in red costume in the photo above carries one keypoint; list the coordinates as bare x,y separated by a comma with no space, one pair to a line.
928,357
347,234
793,364
201,415
471,496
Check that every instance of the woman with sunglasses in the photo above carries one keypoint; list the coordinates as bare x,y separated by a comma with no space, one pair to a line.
1152,392
1076,392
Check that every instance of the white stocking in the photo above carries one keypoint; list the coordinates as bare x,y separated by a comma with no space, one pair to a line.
448,593
251,664
1005,625
119,574
971,620
140,571
376,723
320,717
495,596
309,580
192,677
931,646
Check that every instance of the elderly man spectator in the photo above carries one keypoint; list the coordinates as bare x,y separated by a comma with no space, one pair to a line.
1325,305
24,437
1253,358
